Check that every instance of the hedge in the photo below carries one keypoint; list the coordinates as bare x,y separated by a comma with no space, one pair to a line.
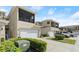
66,36
8,46
59,37
35,44
44,35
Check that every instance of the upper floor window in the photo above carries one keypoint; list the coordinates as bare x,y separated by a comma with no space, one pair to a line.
48,22
32,17
26,16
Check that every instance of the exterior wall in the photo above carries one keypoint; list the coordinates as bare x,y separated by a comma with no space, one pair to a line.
54,29
44,23
45,30
2,32
21,24
27,25
13,23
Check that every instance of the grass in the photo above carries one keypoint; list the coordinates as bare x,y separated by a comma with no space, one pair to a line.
66,40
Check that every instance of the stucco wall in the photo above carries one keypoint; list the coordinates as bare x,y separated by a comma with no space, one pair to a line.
45,30
44,23
2,33
22,24
13,23
26,25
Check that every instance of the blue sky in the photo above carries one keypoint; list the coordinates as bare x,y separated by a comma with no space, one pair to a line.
65,15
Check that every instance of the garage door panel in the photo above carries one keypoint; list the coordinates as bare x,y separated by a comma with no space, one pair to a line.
28,34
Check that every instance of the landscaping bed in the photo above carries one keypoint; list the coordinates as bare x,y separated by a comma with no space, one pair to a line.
36,45
65,40
9,46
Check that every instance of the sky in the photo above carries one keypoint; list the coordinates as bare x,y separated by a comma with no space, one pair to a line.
64,15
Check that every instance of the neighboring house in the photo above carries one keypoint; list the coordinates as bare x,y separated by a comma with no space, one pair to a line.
22,23
49,27
3,23
74,29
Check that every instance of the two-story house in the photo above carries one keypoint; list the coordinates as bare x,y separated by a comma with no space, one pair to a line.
22,23
49,27
74,29
3,23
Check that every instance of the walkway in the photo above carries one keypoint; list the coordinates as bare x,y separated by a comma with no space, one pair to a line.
54,46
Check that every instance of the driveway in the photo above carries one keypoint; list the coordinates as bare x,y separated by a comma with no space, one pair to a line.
54,46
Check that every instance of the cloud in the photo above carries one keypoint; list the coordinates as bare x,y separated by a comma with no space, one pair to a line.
72,20
36,8
67,22
51,11
49,14
48,17
75,16
2,10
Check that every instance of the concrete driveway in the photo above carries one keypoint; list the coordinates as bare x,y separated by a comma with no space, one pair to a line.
54,46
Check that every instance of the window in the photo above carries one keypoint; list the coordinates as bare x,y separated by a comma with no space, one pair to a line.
32,17
48,22
1,29
26,16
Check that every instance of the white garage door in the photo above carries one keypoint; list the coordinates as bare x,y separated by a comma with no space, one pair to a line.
29,33
51,34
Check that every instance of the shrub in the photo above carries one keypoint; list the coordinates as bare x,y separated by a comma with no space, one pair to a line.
44,35
35,44
8,46
66,36
2,39
59,37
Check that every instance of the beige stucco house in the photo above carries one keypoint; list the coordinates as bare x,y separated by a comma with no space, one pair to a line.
49,27
3,23
21,23
71,29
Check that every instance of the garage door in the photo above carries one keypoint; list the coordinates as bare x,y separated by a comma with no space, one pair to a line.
29,33
51,34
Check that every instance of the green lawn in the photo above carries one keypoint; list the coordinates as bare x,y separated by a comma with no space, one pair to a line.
66,40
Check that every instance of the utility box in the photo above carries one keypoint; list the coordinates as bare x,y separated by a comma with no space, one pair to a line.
23,44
